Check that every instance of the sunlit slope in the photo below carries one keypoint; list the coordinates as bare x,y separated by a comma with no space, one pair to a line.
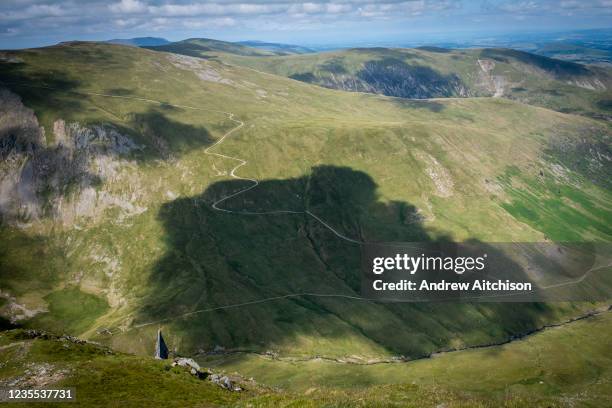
566,364
205,47
131,238
436,72
100,377
209,48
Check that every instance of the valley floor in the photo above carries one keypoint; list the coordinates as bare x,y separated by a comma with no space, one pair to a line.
564,366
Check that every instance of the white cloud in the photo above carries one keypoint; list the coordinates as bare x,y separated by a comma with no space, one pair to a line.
402,9
210,23
68,18
585,4
128,6
123,22
334,8
214,9
34,11
520,6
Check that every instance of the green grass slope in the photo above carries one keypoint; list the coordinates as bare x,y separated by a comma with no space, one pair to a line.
205,47
435,72
564,366
559,367
102,377
132,236
278,48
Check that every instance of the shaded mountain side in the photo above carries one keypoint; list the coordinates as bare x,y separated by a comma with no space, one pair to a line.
64,173
391,77
557,68
216,259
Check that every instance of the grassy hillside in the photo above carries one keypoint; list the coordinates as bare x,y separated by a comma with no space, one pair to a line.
114,200
565,366
140,41
280,49
102,377
206,48
435,72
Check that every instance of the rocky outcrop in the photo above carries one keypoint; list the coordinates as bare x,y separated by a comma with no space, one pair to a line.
223,381
590,155
393,77
388,76
439,175
21,139
199,67
495,84
16,311
36,375
62,176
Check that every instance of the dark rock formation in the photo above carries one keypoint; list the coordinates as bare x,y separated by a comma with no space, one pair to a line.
161,350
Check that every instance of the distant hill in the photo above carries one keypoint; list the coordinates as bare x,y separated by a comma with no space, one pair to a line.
277,47
434,72
569,51
140,41
205,47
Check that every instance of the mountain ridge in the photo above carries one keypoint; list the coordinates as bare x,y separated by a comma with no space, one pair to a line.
140,41
428,72
340,160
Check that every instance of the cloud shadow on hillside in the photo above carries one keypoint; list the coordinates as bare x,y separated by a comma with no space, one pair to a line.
45,168
558,68
215,258
430,105
165,137
50,88
57,93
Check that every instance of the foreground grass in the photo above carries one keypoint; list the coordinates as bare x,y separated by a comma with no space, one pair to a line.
102,377
565,366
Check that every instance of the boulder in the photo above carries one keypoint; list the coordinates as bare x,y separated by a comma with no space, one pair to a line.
186,362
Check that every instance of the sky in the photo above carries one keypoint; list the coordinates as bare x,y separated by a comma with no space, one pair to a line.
32,23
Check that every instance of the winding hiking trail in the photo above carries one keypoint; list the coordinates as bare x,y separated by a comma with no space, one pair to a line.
215,205
242,162
255,183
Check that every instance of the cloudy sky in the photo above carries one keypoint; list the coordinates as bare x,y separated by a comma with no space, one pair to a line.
28,23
